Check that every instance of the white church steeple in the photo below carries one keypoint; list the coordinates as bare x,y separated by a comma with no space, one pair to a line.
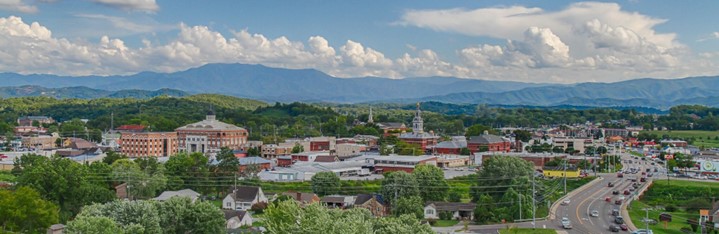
417,123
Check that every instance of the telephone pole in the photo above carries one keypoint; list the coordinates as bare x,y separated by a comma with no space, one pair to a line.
565,176
534,205
646,220
519,196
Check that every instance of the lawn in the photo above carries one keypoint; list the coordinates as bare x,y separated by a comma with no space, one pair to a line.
527,231
6,176
217,203
445,223
706,139
679,219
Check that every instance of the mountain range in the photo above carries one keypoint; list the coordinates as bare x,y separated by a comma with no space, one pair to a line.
309,85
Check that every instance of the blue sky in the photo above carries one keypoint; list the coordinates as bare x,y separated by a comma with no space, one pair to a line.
532,41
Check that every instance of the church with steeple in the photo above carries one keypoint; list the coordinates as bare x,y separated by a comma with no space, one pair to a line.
418,137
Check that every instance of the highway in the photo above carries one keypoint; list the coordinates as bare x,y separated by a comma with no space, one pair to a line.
593,198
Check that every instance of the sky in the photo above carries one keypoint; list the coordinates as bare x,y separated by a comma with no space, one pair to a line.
530,41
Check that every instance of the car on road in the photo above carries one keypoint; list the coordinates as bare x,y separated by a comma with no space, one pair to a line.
618,202
566,224
608,199
618,220
613,228
631,189
643,231
615,212
566,202
594,213
624,227
615,192
626,192
610,184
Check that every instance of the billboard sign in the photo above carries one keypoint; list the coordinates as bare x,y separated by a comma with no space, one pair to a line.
709,166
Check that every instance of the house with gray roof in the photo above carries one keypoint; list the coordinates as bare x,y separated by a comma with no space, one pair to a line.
189,193
243,197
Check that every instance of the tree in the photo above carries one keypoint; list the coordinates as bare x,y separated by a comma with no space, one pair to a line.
483,213
584,164
254,151
181,215
289,217
112,156
500,172
411,205
478,129
141,183
23,210
432,183
325,183
523,135
93,225
62,181
399,184
454,196
298,148
464,151
384,149
188,171
132,216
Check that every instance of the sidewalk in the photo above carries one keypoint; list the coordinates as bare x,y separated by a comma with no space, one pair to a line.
625,212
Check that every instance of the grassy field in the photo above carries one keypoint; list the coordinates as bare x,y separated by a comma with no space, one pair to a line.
706,139
527,231
664,193
445,223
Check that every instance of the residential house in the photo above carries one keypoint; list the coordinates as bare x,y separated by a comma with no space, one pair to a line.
338,201
303,198
56,229
374,203
243,197
235,219
121,191
189,193
460,211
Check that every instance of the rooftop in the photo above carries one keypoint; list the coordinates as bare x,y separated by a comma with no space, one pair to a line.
486,139
210,123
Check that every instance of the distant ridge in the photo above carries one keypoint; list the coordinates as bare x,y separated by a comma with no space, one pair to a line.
85,92
309,85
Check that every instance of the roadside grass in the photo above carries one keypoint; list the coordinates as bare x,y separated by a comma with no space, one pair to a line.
527,231
670,193
6,176
445,223
700,137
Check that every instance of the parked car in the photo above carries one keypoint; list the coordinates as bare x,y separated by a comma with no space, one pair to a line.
615,212
624,227
618,202
613,228
631,189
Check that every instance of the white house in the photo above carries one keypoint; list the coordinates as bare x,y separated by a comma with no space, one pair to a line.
460,211
243,198
237,218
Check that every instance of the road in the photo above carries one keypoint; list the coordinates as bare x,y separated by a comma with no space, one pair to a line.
593,198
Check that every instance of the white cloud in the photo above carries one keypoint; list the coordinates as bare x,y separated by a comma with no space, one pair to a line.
17,5
131,5
122,26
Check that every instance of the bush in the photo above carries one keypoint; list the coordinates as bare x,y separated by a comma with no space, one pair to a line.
455,196
686,229
694,224
259,207
432,222
670,208
445,215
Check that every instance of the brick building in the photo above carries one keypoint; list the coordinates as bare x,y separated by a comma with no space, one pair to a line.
489,143
400,163
418,137
148,144
209,135
451,147
28,120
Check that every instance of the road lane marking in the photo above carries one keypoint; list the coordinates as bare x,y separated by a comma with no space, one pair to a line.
583,201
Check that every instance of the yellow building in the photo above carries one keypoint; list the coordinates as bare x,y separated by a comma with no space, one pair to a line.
572,171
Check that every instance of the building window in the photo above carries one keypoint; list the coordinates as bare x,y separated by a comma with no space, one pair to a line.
429,212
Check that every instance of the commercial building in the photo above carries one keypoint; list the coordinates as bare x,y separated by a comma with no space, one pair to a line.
571,171
674,143
39,142
29,131
149,144
350,149
273,151
488,143
418,137
303,171
453,146
447,161
397,162
28,120
578,144
209,135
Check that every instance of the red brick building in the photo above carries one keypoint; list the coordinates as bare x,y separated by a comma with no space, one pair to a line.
418,137
130,128
488,143
148,144
209,135
262,164
451,147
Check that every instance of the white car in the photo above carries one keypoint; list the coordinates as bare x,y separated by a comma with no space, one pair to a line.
566,224
566,202
594,213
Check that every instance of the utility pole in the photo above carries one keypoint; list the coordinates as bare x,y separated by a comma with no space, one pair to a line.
534,205
565,177
646,219
519,196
